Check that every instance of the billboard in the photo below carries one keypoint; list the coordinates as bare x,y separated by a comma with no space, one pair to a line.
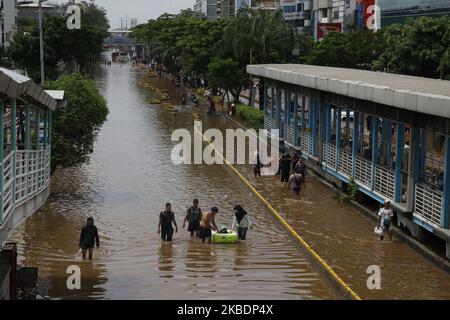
324,28
366,11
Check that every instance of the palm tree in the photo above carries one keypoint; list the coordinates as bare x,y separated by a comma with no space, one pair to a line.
258,37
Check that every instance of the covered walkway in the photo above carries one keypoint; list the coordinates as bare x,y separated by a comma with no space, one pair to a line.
387,133
25,144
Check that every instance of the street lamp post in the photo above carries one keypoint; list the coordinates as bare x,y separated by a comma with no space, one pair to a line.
41,43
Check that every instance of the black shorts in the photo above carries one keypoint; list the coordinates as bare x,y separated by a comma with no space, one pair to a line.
87,246
205,233
193,225
166,234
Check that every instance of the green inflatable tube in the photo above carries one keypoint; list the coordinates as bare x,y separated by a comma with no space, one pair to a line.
230,237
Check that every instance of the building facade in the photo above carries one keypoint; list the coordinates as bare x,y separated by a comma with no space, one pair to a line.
298,12
207,8
30,10
397,11
8,16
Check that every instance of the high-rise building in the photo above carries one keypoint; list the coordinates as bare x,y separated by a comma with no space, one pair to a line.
397,11
30,10
8,16
227,8
207,8
258,4
298,12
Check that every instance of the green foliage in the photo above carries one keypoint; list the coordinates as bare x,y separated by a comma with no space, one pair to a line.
253,117
182,42
227,74
421,47
351,192
70,47
258,37
347,50
74,128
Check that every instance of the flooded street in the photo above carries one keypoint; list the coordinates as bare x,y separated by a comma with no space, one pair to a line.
124,187
131,176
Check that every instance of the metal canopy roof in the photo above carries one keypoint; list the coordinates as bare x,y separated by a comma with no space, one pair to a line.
430,96
15,85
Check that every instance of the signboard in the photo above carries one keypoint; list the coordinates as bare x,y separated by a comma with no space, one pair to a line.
324,28
366,13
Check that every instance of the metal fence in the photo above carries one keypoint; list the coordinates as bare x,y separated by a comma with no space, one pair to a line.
28,175
428,204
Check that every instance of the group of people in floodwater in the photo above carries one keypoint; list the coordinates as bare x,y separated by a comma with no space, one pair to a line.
201,224
292,170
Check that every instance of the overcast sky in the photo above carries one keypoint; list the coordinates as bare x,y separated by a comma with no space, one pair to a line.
143,10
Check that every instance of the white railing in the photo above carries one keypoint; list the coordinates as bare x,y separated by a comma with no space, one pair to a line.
385,182
306,145
21,175
30,175
289,134
345,164
428,204
329,155
269,122
8,179
363,171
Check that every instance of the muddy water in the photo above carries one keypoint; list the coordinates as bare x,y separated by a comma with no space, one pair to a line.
124,187
345,239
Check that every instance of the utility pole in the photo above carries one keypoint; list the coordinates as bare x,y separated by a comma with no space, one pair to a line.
41,43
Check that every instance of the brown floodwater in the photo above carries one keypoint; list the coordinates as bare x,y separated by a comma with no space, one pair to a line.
131,176
124,187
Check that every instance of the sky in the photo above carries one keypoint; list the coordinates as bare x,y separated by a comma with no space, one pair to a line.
143,10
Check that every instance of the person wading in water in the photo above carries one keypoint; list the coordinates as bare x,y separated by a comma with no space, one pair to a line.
296,179
385,215
208,222
166,218
193,216
242,221
88,238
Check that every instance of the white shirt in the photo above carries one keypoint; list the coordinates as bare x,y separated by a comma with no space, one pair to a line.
245,222
385,214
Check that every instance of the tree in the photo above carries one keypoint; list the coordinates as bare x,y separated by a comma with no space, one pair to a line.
182,42
72,47
227,74
419,48
347,50
258,37
74,128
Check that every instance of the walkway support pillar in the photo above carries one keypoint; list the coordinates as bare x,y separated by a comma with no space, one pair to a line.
272,106
355,141
374,142
316,127
265,99
279,123
446,196
295,120
338,134
27,145
2,156
413,165
14,144
399,148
